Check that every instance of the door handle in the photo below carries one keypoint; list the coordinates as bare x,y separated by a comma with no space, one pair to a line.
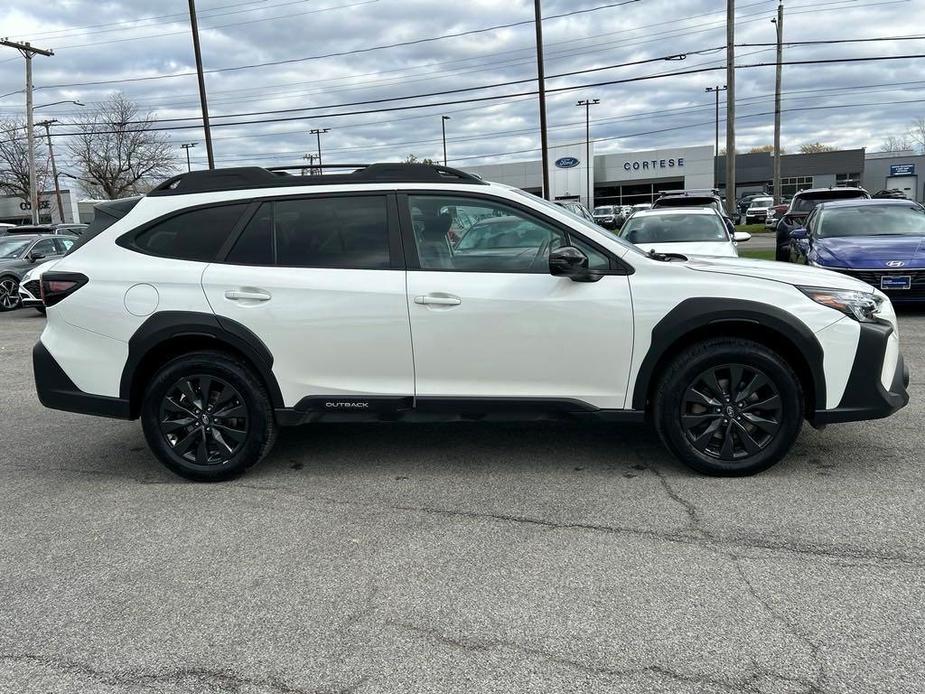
247,295
432,300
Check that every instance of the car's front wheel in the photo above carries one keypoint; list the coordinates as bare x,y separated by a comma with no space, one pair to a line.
9,293
729,406
208,417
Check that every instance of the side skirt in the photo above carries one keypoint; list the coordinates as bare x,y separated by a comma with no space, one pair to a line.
429,409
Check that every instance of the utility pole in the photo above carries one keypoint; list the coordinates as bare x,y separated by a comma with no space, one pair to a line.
187,146
589,165
54,167
28,50
730,108
318,132
194,26
716,89
310,158
777,85
443,120
541,80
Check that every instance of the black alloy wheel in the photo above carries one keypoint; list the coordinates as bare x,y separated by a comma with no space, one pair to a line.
203,419
9,294
731,411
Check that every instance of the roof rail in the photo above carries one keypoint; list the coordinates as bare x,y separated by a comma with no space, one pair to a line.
239,178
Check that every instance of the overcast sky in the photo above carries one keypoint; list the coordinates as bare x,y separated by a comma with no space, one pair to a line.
848,105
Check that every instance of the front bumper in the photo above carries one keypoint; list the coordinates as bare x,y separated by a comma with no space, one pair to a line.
865,395
58,392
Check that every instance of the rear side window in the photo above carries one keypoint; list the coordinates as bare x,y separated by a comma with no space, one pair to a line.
336,232
193,235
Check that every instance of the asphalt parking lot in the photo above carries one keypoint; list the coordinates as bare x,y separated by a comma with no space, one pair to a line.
457,558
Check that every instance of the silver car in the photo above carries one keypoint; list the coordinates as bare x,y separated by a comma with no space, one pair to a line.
20,253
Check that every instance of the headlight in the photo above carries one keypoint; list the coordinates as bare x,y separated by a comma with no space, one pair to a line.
859,305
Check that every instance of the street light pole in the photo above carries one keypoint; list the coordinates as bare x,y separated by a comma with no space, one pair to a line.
318,132
730,108
589,165
194,27
54,167
777,86
28,51
541,81
187,146
443,120
716,89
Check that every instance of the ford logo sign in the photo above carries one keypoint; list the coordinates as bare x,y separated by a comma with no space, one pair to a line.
567,162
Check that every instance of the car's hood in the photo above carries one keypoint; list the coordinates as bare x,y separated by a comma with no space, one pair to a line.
873,252
781,272
6,262
689,248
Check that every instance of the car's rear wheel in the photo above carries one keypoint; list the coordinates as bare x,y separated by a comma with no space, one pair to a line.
9,293
729,406
208,417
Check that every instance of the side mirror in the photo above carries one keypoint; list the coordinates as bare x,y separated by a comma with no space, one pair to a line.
33,257
741,236
570,262
799,233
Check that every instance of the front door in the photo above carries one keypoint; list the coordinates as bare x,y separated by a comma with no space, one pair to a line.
319,280
489,321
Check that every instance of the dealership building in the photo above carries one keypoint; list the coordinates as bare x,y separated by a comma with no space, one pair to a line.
15,210
627,178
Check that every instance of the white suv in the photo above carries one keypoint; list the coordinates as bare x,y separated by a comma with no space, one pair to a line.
227,303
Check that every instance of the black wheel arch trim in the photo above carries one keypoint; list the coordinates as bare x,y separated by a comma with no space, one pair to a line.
700,312
168,325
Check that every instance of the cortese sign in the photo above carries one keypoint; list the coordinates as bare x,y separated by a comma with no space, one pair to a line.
567,162
653,164
902,169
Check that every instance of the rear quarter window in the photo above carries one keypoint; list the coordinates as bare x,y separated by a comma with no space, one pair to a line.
196,234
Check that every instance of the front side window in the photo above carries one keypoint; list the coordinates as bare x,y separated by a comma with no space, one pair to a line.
321,232
674,228
45,247
193,235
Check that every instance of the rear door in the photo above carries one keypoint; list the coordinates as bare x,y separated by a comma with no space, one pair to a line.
320,280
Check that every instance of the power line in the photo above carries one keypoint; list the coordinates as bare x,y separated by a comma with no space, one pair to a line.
289,61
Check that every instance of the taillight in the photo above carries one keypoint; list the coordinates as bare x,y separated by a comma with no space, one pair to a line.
59,285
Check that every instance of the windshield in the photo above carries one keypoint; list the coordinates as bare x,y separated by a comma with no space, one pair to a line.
806,204
10,249
873,220
582,223
603,210
674,228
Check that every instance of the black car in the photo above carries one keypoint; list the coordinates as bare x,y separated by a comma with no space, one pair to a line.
801,205
693,198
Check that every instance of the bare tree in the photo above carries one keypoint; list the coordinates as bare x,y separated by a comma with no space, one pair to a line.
815,148
14,160
896,143
117,152
765,148
413,159
917,133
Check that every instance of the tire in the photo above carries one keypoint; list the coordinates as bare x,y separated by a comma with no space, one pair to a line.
9,293
190,435
728,442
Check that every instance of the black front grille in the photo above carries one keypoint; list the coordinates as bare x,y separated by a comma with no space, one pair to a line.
872,277
32,286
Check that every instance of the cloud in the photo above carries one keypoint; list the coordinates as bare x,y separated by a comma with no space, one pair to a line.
848,105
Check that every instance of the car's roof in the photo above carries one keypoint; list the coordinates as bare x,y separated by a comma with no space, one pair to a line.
837,189
662,211
865,202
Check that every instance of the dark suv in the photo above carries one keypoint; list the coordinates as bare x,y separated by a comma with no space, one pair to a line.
693,198
802,204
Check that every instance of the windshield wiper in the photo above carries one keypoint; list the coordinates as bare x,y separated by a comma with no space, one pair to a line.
665,257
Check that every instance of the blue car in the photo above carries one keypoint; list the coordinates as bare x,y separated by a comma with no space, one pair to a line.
881,242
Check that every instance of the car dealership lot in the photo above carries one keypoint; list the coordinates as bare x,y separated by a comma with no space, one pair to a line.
457,557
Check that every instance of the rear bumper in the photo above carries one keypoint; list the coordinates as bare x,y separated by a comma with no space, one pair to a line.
865,396
58,392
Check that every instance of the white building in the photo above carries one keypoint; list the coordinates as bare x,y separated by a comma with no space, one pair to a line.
14,210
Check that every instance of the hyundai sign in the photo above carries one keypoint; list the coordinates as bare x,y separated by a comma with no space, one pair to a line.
567,162
902,169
